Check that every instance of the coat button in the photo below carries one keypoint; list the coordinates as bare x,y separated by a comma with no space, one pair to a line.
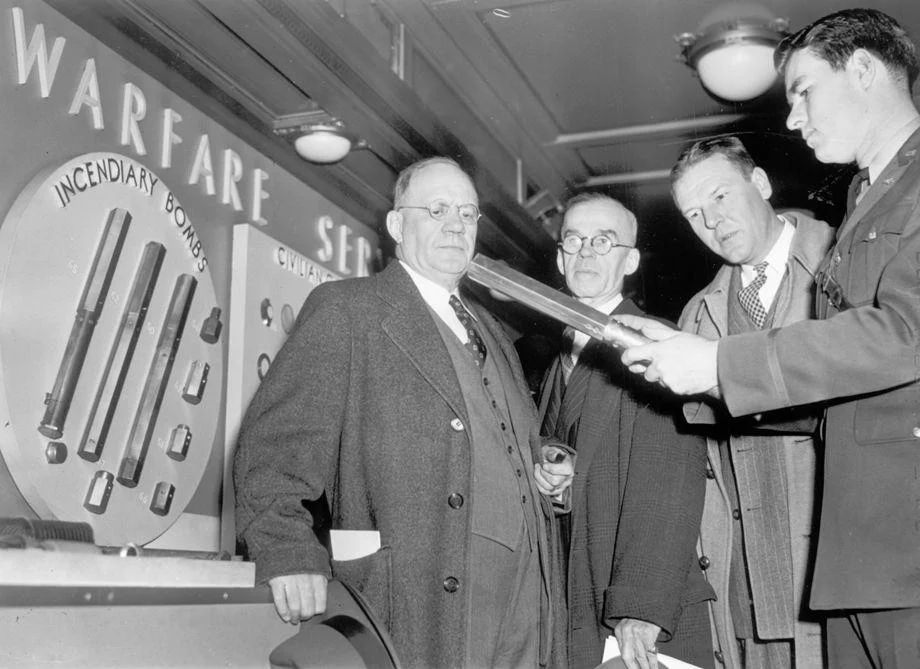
457,425
719,657
451,584
736,514
704,563
709,473
455,501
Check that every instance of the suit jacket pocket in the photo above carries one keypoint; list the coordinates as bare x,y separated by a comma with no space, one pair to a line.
371,576
888,417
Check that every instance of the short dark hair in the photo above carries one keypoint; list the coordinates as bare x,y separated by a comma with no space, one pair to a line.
836,36
405,177
726,145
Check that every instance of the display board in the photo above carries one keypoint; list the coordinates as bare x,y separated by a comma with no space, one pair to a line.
109,358
117,211
269,285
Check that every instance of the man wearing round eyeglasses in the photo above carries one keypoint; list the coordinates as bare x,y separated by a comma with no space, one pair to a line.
628,532
406,405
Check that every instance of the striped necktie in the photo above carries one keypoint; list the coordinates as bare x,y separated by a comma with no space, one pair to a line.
565,355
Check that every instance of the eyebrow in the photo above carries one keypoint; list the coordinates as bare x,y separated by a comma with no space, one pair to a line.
793,88
609,232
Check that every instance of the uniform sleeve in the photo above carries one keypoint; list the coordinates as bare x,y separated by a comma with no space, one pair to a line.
288,442
870,347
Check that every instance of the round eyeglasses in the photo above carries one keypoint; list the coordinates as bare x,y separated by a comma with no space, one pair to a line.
438,210
600,244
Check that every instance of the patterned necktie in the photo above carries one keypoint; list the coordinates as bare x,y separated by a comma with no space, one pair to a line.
750,298
474,345
565,355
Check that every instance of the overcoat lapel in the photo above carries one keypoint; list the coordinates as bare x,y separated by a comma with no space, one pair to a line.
410,326
601,395
715,302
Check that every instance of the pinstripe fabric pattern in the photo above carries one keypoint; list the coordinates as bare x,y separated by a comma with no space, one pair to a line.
774,470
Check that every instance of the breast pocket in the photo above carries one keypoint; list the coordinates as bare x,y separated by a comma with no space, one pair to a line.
870,253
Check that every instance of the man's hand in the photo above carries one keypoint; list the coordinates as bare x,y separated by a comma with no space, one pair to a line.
553,478
654,330
298,596
684,362
637,643
555,472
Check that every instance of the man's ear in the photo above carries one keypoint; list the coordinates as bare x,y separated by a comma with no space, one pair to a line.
862,67
394,225
560,264
632,262
762,182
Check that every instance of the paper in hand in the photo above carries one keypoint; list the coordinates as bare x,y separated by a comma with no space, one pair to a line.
612,659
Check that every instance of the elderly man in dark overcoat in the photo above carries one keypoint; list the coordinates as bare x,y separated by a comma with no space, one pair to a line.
848,79
405,404
637,496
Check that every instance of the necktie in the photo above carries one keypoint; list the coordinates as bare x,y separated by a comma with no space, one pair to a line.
858,187
565,355
750,298
474,345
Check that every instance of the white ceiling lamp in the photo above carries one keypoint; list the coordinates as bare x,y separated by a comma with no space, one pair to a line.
732,51
322,144
317,137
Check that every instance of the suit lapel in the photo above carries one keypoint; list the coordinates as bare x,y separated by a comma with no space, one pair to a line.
410,326
604,385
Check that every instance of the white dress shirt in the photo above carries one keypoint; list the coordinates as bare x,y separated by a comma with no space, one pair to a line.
580,339
436,297
776,266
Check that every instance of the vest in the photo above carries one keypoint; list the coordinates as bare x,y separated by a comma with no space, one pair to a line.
500,448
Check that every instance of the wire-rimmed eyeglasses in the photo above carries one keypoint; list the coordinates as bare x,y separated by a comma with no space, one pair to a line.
439,209
601,244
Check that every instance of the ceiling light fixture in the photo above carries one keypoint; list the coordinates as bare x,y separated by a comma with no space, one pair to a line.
322,144
317,137
732,50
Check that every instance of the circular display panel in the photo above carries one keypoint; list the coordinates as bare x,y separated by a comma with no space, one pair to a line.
110,361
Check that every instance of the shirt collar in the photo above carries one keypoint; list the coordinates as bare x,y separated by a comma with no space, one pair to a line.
607,306
779,254
890,149
434,294
579,338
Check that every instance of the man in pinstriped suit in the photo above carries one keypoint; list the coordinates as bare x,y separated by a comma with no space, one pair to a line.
758,516
638,491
